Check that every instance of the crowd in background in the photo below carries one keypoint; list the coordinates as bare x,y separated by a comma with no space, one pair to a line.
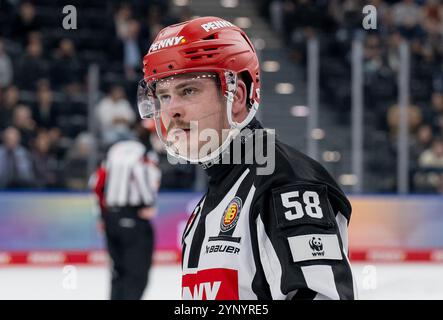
48,138
47,134
337,23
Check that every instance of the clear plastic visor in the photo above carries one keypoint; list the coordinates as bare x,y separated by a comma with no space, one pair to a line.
189,111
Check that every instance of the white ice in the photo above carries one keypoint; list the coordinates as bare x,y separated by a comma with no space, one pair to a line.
374,281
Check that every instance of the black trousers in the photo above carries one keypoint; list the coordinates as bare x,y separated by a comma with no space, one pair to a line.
130,242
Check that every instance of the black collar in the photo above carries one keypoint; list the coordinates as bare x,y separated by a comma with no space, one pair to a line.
216,169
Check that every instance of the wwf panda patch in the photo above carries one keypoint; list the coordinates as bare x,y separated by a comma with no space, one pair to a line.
315,247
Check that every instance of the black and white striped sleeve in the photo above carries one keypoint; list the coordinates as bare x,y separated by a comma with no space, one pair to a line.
302,243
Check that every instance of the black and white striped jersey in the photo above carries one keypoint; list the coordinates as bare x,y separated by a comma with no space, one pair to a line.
277,236
128,177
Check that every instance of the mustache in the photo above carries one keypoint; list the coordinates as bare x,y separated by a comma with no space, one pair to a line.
179,125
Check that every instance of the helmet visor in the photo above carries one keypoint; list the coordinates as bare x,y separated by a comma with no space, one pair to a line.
189,111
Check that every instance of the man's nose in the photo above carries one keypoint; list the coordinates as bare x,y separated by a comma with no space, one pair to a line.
176,108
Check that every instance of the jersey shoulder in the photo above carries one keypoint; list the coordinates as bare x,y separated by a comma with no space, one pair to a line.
294,167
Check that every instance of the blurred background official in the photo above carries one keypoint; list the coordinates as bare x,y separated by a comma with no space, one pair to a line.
126,186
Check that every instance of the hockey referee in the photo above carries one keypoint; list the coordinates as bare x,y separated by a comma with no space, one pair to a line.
126,185
273,222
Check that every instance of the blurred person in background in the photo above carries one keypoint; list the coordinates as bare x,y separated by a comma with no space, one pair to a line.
76,162
115,116
407,16
132,50
24,22
121,20
9,101
45,110
433,157
6,71
435,110
126,185
393,120
15,163
31,66
65,68
431,163
22,120
44,163
422,140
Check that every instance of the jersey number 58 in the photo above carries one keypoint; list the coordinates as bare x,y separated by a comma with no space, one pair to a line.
311,201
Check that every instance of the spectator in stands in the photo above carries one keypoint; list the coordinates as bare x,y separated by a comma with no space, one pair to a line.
385,23
155,20
44,162
431,160
23,122
407,17
26,21
121,20
432,20
115,116
422,140
438,124
349,14
433,157
10,99
393,45
76,162
6,9
45,110
373,55
6,71
414,119
436,109
66,67
31,66
15,162
132,50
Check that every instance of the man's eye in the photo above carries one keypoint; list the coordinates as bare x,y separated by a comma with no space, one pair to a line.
164,98
188,91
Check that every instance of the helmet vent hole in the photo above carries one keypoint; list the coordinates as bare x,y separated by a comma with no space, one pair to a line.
210,37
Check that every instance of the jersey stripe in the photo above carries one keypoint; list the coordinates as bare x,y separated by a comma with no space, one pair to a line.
320,278
271,264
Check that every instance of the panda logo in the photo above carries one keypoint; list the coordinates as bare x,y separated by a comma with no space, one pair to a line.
316,244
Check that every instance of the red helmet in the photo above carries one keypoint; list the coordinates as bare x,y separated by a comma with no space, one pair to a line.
204,44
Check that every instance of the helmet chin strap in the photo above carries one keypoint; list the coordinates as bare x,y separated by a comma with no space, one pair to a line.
235,128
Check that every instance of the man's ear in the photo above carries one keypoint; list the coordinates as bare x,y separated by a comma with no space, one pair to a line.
239,109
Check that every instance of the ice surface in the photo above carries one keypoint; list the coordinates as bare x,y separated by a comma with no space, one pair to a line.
392,281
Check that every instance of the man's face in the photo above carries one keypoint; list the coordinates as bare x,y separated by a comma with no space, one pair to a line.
192,107
11,138
117,93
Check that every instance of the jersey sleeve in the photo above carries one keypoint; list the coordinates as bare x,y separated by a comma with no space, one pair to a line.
97,183
302,243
